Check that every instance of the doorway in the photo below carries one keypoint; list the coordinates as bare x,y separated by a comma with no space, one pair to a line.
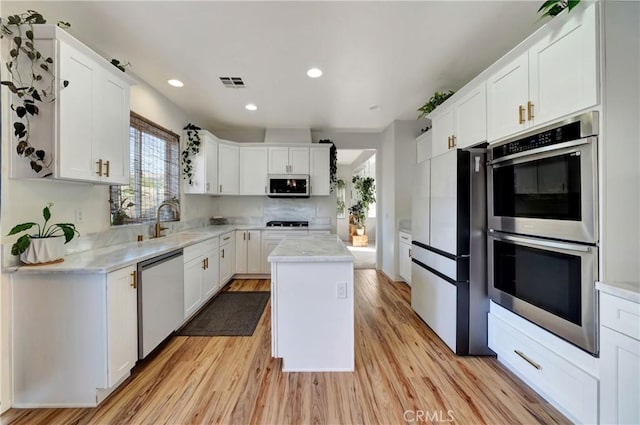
361,165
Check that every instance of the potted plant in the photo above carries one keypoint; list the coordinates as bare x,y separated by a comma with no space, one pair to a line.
119,210
357,217
437,99
47,245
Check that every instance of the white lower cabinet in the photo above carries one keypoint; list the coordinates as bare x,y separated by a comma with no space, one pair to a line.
271,239
565,385
620,360
201,279
226,257
248,251
122,315
404,256
77,339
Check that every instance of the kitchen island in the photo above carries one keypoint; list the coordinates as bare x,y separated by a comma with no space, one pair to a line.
312,299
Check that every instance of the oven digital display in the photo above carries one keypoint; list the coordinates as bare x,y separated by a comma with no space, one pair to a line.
566,133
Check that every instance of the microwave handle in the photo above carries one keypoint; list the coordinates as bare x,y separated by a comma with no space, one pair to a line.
543,243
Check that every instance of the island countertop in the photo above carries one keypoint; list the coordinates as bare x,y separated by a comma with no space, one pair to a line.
313,248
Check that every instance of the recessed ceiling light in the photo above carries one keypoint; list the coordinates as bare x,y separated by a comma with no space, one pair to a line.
175,83
314,73
250,107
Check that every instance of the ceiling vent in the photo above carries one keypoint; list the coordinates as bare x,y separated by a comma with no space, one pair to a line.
232,82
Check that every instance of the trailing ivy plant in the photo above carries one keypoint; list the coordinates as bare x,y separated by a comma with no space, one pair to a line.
191,149
333,163
31,85
554,7
437,99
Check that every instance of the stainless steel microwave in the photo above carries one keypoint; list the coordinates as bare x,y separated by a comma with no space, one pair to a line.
288,186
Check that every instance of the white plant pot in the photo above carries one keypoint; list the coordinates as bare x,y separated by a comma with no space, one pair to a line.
43,250
360,231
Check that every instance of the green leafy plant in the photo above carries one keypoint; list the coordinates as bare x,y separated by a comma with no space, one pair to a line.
119,210
437,99
30,85
191,149
68,230
120,65
333,163
366,191
554,7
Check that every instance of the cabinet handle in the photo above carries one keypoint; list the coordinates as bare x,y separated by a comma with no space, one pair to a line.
404,237
208,186
249,235
134,280
453,141
449,142
207,261
99,164
106,165
222,252
220,188
227,238
530,110
527,359
204,264
244,236
410,253
520,114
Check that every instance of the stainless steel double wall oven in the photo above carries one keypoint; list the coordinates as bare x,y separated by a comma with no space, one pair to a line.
543,228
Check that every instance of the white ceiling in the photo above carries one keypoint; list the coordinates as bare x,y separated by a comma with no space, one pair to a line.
391,54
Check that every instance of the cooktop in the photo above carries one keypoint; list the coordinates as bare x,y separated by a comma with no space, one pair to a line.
287,223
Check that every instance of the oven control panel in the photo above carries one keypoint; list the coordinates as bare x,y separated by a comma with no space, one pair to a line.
554,136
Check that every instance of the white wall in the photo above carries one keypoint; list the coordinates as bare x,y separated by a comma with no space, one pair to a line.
386,204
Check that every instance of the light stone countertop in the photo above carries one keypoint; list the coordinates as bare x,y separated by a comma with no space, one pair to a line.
314,248
108,259
627,290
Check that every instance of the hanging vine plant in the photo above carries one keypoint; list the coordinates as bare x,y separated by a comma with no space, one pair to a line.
31,85
333,163
191,149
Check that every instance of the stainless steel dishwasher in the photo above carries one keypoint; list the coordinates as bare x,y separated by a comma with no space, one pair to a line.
160,299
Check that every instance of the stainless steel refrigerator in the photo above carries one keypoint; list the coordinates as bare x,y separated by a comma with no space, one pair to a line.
449,279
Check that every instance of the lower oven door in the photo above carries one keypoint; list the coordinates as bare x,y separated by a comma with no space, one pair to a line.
550,283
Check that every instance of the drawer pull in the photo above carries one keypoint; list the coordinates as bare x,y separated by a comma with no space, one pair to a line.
405,238
527,359
227,238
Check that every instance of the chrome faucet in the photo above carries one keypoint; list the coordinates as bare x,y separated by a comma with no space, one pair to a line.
158,228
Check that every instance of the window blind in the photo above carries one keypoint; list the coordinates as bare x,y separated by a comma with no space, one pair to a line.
154,174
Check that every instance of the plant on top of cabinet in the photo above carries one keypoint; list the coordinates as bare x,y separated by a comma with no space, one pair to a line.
121,66
192,149
24,242
32,85
333,164
437,99
554,7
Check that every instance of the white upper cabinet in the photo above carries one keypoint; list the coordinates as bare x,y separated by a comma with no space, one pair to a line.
288,160
204,166
253,170
86,130
228,169
319,170
443,129
462,124
556,76
507,93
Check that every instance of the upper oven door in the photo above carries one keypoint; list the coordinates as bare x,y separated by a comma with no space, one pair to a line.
549,192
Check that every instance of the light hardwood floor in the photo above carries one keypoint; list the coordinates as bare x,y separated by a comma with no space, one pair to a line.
404,374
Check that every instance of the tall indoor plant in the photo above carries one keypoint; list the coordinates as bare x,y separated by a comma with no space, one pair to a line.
366,195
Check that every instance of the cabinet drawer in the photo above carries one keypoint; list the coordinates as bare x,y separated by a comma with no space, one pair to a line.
560,381
620,315
226,238
202,248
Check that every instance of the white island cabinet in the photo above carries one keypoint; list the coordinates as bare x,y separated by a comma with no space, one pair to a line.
312,317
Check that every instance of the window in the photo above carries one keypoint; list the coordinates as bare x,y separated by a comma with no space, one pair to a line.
154,168
341,208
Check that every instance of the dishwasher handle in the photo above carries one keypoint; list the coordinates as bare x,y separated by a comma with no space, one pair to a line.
159,259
